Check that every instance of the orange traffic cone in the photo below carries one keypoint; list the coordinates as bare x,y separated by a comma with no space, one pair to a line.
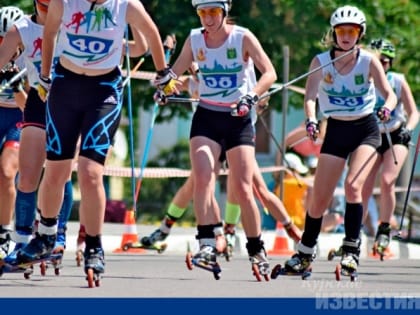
130,235
281,242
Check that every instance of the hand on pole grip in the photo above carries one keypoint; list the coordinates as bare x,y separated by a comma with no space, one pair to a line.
244,105
384,114
166,81
44,86
312,129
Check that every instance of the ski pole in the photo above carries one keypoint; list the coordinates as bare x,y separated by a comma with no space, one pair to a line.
407,196
388,138
16,77
286,85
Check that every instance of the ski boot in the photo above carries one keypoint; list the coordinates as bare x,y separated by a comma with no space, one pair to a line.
230,236
4,243
156,236
259,262
94,265
382,241
293,231
153,241
298,265
349,260
80,246
205,259
39,249
60,246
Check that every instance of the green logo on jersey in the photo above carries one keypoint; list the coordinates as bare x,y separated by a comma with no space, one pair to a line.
231,53
358,79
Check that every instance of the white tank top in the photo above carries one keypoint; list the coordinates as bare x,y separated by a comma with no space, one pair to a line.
223,70
352,94
92,39
31,36
398,115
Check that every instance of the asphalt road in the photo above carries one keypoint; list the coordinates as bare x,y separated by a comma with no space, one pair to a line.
165,275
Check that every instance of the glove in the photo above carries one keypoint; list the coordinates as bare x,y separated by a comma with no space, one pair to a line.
384,114
405,135
44,86
312,129
244,105
166,81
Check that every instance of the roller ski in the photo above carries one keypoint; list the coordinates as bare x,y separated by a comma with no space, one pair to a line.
38,251
159,247
27,268
204,259
152,242
259,262
298,265
94,266
80,245
349,260
381,245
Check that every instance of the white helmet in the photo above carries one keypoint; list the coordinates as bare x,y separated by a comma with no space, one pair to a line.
8,17
224,4
349,15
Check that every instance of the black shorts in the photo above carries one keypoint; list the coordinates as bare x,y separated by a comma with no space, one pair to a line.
343,137
34,112
223,128
396,138
85,106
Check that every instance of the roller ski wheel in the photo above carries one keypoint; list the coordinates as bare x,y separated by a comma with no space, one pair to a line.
257,274
340,271
79,257
278,270
28,272
93,278
43,268
188,261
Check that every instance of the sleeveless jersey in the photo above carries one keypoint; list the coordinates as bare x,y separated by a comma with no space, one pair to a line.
31,36
92,39
223,70
398,115
352,94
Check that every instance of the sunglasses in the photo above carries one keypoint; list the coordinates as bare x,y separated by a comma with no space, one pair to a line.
213,12
347,30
